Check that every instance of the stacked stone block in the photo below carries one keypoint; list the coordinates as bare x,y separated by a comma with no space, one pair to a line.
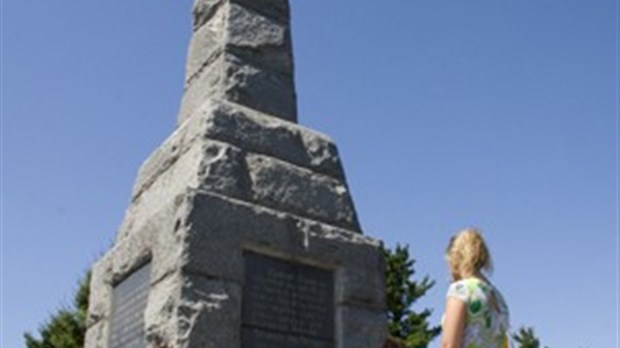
241,51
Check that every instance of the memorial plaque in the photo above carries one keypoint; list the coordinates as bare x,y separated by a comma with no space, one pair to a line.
128,305
286,304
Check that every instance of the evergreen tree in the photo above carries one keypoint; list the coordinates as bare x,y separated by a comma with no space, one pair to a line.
526,338
408,328
65,329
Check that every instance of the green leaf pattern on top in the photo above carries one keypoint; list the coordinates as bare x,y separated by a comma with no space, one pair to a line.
486,326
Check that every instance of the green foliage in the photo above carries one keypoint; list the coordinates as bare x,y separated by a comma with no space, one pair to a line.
526,338
65,329
406,326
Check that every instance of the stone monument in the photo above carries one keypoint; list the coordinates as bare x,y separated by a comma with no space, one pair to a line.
241,232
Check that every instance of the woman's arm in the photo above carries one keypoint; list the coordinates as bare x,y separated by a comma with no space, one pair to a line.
454,324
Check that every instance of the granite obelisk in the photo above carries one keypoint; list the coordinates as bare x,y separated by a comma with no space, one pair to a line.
241,232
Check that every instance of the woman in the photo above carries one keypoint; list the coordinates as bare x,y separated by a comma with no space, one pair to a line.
476,315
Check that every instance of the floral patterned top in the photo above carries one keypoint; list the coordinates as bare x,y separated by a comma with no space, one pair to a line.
487,319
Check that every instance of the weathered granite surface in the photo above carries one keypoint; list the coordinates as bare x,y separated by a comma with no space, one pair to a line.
209,193
241,51
239,176
231,150
198,271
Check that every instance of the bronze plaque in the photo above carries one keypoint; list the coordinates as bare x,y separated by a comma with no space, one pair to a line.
129,299
286,304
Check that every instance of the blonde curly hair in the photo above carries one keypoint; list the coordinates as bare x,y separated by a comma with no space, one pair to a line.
467,254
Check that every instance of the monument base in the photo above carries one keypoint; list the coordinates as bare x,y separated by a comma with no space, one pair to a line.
246,230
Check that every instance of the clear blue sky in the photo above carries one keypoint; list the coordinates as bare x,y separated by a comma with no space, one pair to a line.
498,114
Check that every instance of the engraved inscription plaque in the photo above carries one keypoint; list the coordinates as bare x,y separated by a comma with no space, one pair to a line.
286,304
128,305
